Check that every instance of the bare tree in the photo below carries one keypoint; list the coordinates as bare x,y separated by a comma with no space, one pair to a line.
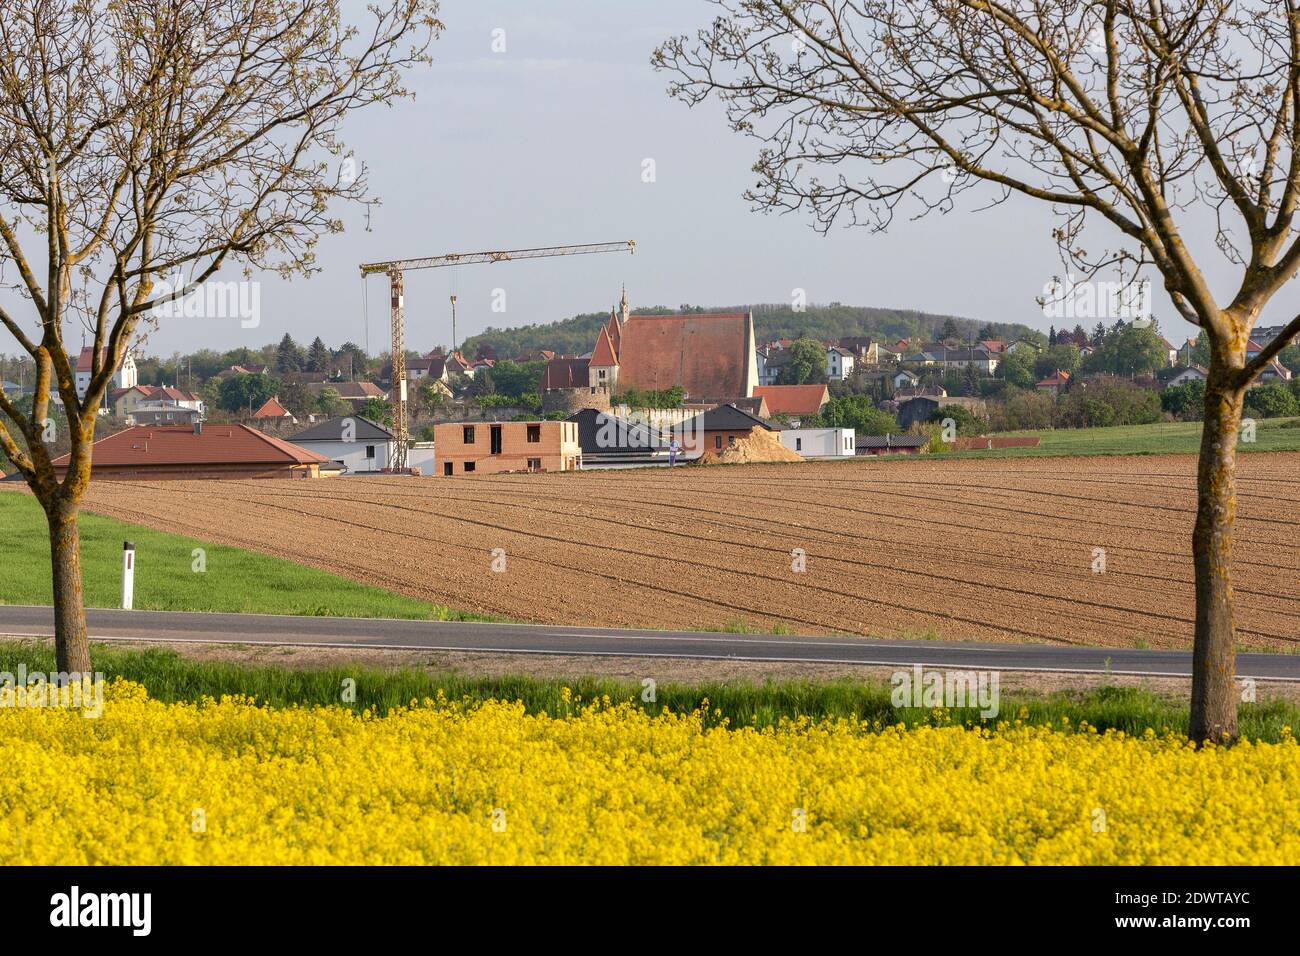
1175,121
142,139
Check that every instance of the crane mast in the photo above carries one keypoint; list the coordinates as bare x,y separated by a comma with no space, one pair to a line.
395,269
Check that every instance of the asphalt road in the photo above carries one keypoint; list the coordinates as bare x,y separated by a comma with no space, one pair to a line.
183,627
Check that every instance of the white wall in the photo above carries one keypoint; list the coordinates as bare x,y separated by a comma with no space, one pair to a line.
353,453
820,442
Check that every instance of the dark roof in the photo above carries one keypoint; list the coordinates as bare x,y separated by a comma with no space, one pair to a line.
890,441
730,418
629,436
332,430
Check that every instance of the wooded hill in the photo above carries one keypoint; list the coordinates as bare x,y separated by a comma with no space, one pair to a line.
771,321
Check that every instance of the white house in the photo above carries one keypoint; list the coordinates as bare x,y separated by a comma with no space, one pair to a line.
359,444
1194,373
820,442
905,379
124,377
839,364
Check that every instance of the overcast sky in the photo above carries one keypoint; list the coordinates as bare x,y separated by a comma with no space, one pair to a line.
544,144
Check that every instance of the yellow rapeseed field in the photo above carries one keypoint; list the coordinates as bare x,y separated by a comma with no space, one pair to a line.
442,782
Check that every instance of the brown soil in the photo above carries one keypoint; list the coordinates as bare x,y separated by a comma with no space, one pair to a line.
962,550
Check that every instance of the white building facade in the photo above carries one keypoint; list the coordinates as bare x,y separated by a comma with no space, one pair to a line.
820,442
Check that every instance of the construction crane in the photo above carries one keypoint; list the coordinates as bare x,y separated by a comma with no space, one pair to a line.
395,270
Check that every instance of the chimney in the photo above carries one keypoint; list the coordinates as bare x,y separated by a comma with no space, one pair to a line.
198,427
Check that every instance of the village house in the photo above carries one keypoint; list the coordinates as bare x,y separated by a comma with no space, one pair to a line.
462,448
721,428
125,377
272,412
431,368
1193,373
1054,384
793,400
839,364
163,413
820,442
357,444
610,441
905,379
149,453
355,394
125,401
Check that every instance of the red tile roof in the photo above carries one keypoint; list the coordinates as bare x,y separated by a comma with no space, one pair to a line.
603,353
707,355
793,399
179,445
615,333
86,359
272,409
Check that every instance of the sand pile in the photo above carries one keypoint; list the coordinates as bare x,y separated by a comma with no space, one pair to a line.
760,446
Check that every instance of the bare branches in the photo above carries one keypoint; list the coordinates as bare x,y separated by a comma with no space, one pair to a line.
1138,111
142,140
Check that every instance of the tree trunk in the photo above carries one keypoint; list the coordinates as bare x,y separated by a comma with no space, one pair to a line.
1214,655
71,643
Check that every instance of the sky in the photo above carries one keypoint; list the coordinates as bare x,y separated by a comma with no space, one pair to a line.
545,143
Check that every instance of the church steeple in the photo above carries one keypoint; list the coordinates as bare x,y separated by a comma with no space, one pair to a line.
623,308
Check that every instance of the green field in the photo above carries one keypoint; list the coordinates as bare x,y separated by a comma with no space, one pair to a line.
166,580
1162,438
170,676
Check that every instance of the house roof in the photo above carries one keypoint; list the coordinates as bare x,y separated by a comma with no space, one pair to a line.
1056,378
615,332
86,359
793,399
432,364
706,354
271,408
603,353
629,436
158,393
181,445
332,430
565,373
723,418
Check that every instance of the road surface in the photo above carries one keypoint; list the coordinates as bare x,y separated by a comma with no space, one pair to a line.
276,630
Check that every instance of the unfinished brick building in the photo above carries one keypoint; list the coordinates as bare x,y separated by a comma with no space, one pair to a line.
464,448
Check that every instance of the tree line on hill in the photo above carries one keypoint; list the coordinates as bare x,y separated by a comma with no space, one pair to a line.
829,322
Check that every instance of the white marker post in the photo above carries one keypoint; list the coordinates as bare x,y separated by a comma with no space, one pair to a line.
128,575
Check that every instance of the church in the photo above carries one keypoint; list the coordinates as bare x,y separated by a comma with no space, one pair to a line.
711,356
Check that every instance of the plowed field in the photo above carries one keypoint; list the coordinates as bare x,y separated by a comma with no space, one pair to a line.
959,550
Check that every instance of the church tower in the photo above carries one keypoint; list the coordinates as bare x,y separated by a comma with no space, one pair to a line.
623,315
